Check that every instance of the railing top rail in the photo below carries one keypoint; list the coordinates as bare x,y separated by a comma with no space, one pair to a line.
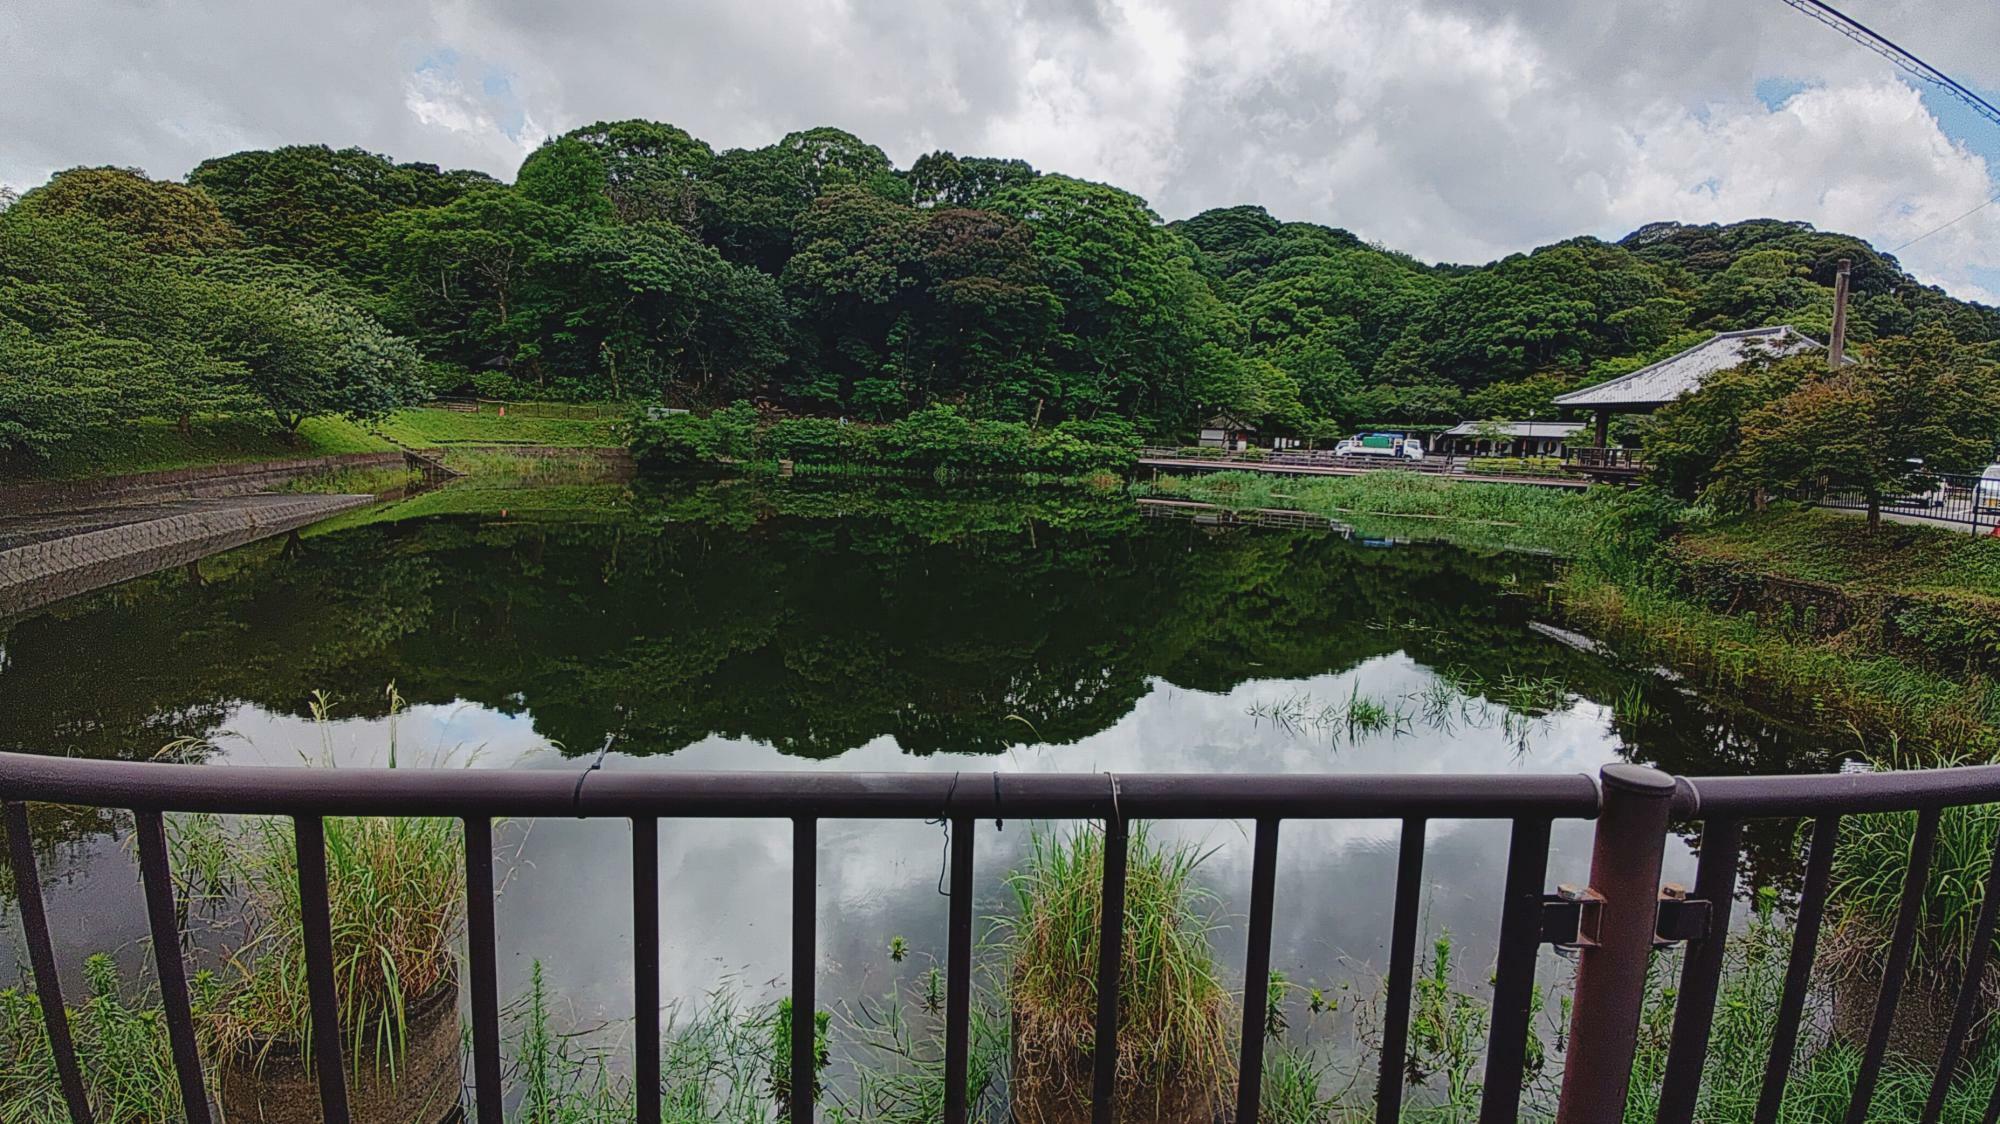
578,791
1836,793
250,789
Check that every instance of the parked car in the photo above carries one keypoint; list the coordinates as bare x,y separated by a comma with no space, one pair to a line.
1923,493
1393,445
1986,495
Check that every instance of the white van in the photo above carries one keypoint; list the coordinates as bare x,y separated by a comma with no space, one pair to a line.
1381,445
1986,496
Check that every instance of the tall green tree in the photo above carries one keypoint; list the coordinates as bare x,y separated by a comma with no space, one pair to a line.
650,170
1920,405
1135,312
302,351
452,276
318,204
941,179
644,310
100,330
164,217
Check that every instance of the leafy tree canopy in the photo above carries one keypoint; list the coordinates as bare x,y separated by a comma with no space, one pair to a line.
164,217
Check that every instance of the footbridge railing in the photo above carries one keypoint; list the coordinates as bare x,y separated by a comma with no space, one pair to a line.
1613,924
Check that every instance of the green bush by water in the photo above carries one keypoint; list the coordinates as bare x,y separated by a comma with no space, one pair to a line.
936,441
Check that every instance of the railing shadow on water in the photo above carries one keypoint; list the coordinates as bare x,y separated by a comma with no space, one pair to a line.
1612,925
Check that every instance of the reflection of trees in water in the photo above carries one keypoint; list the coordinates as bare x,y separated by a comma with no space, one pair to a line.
812,617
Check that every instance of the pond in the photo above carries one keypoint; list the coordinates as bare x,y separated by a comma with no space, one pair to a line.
814,625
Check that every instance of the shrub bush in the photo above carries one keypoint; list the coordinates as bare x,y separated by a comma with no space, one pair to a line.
934,441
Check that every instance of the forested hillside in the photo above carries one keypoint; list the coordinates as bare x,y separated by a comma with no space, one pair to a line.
630,260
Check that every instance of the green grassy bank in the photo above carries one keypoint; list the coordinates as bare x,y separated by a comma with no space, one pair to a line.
155,445
1890,638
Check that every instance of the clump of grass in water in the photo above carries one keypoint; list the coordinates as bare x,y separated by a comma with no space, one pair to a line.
1360,715
396,893
1173,1010
396,889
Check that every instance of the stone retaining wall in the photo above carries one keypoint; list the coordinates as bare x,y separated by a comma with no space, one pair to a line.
43,572
181,483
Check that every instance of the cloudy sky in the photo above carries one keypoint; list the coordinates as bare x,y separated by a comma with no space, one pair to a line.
1453,129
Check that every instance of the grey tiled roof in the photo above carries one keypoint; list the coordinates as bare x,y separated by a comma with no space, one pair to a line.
1680,374
1517,429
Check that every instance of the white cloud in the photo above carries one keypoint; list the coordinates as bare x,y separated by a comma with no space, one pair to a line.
1455,129
438,98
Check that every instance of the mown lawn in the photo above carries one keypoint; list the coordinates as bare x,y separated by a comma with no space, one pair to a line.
154,445
431,428
1824,546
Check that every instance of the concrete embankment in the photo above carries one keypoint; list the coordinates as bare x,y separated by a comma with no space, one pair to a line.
49,557
183,483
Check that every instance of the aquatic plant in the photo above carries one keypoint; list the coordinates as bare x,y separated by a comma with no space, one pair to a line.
779,1061
1866,893
1823,1076
1356,716
396,893
121,1047
1173,1010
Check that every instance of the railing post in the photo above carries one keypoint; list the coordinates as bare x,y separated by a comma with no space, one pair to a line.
1611,974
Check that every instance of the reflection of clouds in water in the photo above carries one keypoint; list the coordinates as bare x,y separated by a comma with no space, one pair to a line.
725,884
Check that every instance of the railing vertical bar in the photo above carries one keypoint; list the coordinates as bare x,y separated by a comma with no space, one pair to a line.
1970,990
172,968
1798,973
1701,972
958,973
1257,970
483,956
1900,945
1402,970
316,927
1110,955
1514,975
805,963
646,965
42,956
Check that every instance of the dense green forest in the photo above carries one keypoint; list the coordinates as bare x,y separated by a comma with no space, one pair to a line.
632,261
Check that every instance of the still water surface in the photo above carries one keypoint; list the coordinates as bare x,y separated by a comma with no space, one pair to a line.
800,626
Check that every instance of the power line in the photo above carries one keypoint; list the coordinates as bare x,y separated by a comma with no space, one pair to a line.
1954,222
1910,64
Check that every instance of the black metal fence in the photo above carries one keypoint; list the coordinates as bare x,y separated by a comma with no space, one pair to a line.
1944,498
1613,924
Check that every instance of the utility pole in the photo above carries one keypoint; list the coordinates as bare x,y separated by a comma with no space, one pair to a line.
1836,348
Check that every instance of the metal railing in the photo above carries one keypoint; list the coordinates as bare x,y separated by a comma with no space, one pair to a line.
1610,459
1613,924
1944,498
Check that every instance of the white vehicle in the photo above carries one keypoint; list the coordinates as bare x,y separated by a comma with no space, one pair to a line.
1986,495
1386,445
